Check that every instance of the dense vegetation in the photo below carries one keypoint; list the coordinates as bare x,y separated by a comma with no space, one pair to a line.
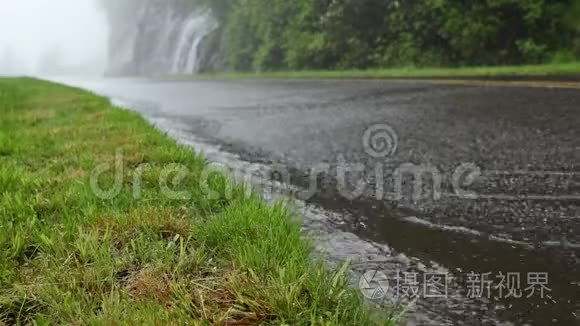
70,257
343,34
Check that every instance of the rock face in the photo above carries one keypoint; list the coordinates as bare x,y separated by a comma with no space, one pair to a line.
149,37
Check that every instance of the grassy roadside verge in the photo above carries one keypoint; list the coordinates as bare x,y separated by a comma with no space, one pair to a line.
554,71
69,256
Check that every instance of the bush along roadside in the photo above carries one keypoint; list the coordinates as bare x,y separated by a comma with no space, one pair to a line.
72,255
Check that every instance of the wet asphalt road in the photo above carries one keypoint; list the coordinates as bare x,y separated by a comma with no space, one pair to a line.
519,148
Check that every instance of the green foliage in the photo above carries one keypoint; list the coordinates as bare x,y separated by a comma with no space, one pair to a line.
262,35
565,56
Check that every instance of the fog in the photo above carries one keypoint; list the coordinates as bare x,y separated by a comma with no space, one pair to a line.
40,37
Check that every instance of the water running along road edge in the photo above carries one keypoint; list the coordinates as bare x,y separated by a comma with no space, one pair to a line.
405,231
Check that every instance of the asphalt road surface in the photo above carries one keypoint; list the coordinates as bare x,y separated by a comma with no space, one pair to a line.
500,172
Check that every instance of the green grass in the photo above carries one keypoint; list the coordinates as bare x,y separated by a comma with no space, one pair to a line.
554,70
68,256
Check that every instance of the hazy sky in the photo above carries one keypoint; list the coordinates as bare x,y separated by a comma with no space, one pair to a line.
31,29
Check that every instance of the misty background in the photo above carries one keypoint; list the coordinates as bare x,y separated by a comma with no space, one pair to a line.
160,37
52,37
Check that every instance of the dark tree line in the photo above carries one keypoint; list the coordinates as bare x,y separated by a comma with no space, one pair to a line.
328,34
343,34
